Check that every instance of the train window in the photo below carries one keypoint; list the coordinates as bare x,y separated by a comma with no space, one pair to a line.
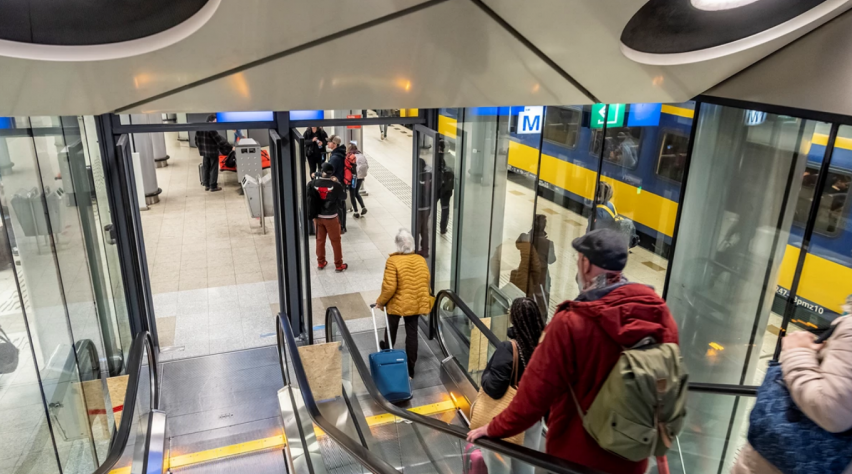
672,160
621,148
834,199
562,126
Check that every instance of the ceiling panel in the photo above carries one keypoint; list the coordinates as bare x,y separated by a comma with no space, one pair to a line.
583,37
813,73
451,54
240,32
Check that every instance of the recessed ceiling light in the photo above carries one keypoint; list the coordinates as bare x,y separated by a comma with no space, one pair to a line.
715,5
83,30
670,32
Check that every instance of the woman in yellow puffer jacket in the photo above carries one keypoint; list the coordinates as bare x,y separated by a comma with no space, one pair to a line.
405,293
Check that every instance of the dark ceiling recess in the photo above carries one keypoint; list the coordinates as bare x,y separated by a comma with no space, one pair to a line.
675,26
90,22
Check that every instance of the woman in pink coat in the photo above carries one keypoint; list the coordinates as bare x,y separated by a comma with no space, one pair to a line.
819,377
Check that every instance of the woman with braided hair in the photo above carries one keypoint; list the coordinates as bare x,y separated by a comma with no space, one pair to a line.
526,330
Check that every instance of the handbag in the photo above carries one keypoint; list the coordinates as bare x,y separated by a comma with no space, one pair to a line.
8,354
485,408
780,432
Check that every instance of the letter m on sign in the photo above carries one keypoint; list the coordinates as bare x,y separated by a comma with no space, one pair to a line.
531,123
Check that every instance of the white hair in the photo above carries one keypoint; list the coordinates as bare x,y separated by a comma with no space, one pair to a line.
404,241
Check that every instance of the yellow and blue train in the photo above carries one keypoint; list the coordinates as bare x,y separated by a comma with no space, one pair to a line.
648,190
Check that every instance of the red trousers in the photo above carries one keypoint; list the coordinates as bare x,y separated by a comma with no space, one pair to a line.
331,229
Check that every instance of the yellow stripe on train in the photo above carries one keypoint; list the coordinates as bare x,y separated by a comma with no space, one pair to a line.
823,282
642,206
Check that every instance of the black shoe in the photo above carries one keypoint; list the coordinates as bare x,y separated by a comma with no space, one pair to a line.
217,188
356,215
207,188
364,211
383,345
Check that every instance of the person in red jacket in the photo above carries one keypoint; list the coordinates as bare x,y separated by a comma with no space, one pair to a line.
579,348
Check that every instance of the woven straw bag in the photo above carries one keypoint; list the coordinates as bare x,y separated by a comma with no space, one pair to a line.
485,408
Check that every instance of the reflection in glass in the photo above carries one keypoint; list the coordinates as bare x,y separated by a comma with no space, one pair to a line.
425,167
32,210
566,186
448,172
733,228
824,286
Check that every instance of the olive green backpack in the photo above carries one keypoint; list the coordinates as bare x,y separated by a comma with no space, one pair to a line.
641,406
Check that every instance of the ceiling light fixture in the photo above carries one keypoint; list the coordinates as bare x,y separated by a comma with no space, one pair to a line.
672,32
716,5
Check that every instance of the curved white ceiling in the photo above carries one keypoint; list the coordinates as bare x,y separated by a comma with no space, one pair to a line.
261,55
104,52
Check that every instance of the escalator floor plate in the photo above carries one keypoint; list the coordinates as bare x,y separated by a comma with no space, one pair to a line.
261,462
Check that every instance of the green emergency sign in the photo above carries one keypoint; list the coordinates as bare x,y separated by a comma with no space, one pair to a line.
613,118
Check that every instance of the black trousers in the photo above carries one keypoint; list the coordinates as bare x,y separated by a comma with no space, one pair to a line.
210,171
355,193
314,163
421,234
445,211
411,338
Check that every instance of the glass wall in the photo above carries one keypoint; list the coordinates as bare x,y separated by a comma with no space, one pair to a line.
735,224
58,347
752,182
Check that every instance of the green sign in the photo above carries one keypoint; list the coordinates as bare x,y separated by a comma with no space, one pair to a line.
614,117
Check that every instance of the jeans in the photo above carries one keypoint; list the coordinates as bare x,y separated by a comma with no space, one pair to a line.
411,338
328,228
210,171
498,464
356,194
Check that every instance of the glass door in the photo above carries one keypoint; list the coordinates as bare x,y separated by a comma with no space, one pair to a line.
423,189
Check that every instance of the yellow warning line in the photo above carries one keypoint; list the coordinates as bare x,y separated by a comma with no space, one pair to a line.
387,418
271,442
279,441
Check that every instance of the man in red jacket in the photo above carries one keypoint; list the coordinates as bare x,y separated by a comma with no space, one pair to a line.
580,347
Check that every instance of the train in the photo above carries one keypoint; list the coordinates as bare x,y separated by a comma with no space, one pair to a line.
647,189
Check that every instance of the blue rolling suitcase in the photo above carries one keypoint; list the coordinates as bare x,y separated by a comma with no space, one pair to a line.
389,368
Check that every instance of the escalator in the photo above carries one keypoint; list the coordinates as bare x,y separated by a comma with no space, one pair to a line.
427,433
331,418
298,440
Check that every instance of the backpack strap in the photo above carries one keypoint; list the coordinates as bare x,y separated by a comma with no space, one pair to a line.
611,212
515,365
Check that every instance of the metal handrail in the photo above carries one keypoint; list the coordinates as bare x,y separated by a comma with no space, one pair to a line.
696,387
724,389
506,302
141,342
287,345
522,453
434,319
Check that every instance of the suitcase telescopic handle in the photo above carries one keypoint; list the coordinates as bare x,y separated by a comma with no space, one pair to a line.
376,327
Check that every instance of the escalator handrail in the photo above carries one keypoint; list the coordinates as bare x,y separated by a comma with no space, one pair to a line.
506,302
724,389
118,445
696,387
522,453
287,346
433,319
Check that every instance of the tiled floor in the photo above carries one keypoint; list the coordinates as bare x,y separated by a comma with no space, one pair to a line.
213,273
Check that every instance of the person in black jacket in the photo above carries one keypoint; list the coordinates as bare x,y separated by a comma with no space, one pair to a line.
315,142
527,328
337,158
324,195
210,145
